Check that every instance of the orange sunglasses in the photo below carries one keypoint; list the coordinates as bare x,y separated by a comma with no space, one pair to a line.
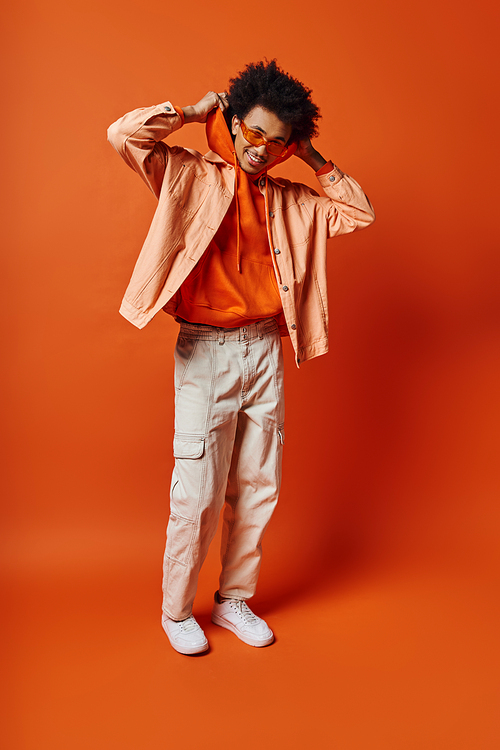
257,139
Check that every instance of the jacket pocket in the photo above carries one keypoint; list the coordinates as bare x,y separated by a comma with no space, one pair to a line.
298,224
188,190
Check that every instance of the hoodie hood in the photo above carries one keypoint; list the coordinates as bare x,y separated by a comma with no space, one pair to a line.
220,141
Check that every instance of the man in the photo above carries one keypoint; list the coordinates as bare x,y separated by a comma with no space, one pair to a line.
239,259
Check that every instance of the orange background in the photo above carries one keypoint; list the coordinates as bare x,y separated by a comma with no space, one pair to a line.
380,572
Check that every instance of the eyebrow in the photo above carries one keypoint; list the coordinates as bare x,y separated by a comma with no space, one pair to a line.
256,127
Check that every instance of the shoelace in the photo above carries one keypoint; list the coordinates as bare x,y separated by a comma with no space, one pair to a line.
244,611
189,625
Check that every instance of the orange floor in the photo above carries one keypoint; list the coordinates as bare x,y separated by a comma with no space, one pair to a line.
399,658
387,623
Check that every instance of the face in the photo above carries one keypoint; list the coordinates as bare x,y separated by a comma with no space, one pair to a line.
254,159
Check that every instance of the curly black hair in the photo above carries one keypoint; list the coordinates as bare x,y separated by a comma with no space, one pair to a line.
265,84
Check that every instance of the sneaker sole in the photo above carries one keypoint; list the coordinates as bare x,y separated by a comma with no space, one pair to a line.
242,636
187,650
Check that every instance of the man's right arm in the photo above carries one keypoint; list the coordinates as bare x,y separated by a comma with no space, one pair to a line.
138,135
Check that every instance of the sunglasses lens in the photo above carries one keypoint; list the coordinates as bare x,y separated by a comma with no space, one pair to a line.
276,149
253,137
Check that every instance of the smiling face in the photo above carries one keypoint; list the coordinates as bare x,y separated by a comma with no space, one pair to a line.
253,159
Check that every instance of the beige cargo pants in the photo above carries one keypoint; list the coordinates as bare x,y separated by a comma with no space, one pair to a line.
229,416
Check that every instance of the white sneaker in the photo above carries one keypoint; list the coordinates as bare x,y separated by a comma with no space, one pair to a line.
236,615
186,636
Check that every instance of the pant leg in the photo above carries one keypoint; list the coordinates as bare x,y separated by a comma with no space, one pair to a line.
255,472
207,401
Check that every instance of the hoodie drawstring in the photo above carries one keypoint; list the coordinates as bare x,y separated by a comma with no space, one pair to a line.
236,167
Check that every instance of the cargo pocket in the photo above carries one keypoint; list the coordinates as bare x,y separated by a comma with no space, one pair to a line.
179,538
189,446
185,496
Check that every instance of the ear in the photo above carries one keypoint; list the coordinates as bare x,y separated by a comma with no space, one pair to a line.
235,124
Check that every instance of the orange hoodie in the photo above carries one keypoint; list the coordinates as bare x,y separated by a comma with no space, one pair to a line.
234,282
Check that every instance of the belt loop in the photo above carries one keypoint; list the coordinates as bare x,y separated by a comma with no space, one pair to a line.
260,327
222,336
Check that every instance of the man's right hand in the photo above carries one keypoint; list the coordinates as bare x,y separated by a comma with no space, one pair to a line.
198,112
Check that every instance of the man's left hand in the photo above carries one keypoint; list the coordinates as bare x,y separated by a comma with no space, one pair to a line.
308,154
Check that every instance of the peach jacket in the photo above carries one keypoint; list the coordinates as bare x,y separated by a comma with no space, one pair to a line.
194,193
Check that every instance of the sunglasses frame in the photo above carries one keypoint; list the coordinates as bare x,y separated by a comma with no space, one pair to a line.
260,140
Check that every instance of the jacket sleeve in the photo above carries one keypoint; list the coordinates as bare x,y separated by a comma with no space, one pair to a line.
138,136
346,206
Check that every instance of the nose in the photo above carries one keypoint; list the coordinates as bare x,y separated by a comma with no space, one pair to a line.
261,150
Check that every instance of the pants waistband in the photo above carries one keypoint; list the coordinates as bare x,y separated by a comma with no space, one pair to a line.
213,333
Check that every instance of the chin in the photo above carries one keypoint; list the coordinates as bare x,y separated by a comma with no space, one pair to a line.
249,170
252,168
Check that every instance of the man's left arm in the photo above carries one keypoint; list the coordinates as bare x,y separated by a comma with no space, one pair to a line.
347,207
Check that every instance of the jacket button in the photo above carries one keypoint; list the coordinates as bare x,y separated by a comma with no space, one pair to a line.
262,181
277,251
285,289
168,108
271,214
332,178
293,326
